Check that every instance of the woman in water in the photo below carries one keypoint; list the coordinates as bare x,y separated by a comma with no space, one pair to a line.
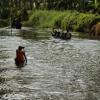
20,59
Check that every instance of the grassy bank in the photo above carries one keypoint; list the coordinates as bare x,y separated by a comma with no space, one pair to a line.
62,19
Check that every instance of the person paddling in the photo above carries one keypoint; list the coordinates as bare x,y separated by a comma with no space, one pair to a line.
20,59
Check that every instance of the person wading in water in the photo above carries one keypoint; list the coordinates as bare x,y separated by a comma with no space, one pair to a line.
20,59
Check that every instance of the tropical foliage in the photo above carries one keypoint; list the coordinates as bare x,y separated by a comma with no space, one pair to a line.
19,5
72,20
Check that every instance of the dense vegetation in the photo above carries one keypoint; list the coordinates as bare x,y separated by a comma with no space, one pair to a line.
76,14
67,19
79,5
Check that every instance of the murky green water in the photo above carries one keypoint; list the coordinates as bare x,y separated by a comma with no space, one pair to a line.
56,69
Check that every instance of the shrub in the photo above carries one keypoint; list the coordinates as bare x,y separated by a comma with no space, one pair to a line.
56,19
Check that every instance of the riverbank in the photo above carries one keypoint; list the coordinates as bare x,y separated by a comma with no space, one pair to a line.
73,20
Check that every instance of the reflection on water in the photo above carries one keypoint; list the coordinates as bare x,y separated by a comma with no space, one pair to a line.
56,69
26,33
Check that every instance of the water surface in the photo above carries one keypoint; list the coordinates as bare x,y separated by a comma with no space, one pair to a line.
56,70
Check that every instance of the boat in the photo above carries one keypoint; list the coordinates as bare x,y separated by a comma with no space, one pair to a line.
61,34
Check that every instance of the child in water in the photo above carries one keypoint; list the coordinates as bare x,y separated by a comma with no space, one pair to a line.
20,56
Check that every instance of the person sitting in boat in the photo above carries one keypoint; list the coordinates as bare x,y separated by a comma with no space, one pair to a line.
56,33
67,35
20,56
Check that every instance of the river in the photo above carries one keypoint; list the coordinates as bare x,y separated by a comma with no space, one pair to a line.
56,69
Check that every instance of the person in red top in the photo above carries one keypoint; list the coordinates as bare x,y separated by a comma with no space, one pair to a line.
20,56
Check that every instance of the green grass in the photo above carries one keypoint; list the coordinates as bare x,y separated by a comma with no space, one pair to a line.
60,19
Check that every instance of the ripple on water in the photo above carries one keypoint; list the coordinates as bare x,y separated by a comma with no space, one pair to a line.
56,69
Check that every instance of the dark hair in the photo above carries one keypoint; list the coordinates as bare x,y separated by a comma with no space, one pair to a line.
20,47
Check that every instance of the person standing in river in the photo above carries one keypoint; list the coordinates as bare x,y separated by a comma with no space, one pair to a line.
20,59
